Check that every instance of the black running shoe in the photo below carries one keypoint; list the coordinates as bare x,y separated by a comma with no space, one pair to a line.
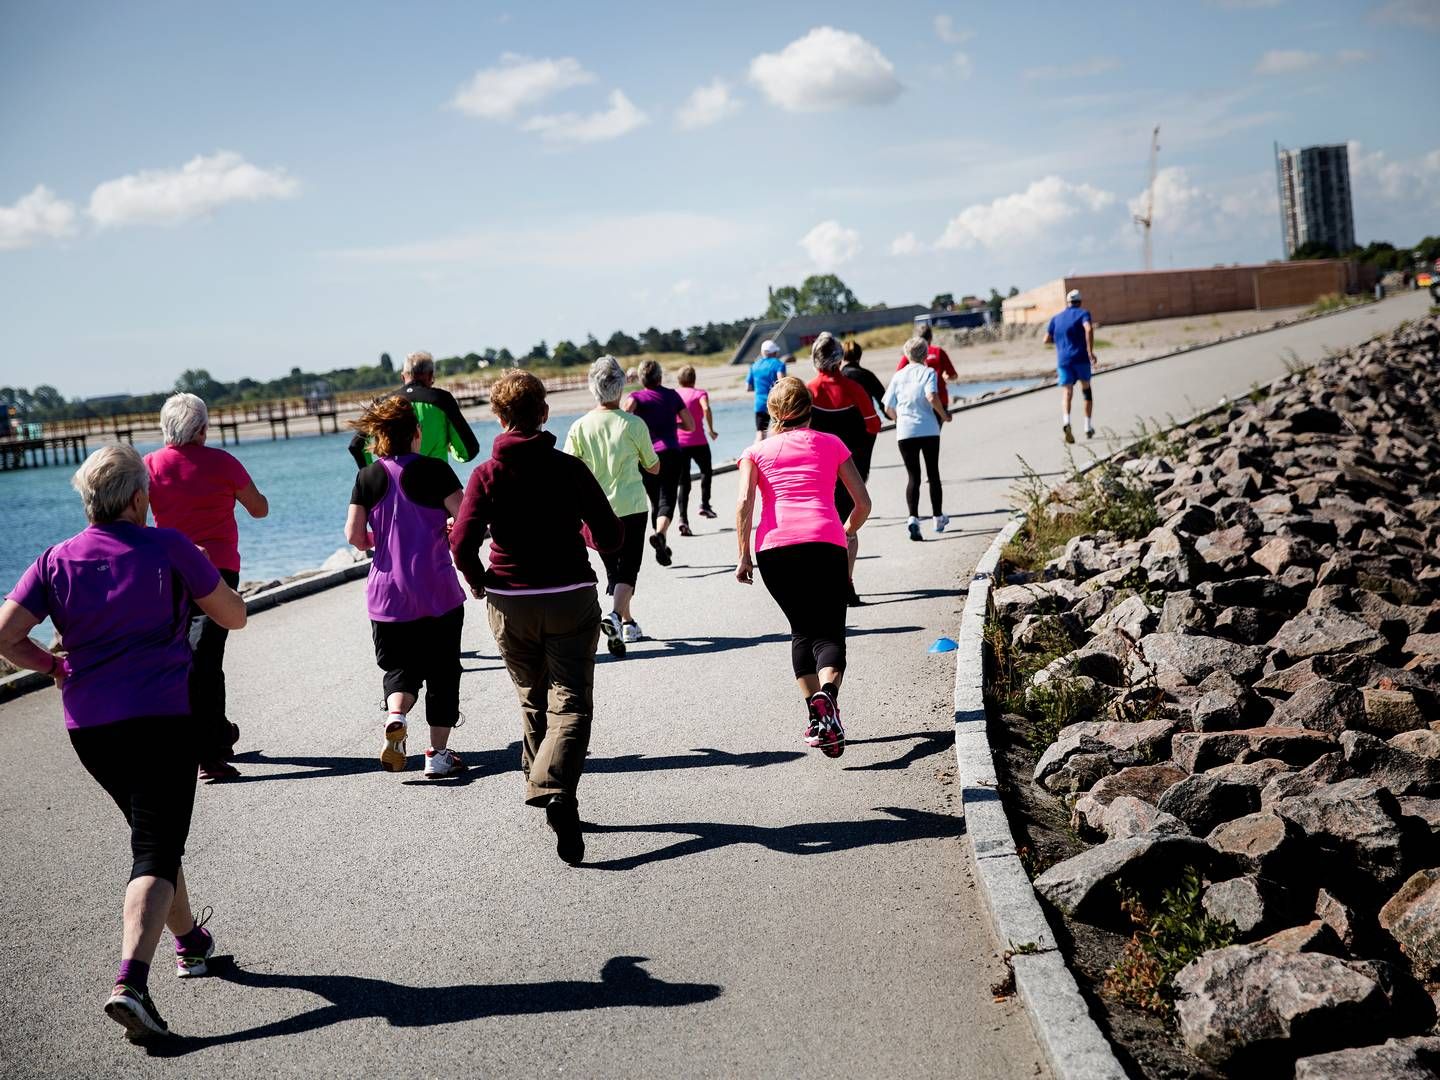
134,1011
662,549
564,817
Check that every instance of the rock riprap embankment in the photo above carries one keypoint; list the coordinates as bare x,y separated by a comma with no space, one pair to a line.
1251,690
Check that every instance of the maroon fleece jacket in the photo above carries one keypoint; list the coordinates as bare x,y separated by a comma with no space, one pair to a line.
541,506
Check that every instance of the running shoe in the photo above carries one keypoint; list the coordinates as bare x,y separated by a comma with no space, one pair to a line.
831,732
913,524
212,771
611,627
632,631
564,817
1089,432
706,512
1069,435
662,549
941,520
685,529
442,763
392,756
814,727
133,1010
191,963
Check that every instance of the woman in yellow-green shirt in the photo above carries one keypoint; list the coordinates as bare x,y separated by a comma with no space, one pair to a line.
616,445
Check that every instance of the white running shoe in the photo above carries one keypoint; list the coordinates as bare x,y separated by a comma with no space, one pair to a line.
442,763
913,525
614,633
940,522
633,632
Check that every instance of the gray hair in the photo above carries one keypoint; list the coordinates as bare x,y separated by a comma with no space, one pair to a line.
916,350
607,380
108,481
826,352
418,364
183,419
651,373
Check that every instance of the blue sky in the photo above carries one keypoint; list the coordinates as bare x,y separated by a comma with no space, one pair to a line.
247,188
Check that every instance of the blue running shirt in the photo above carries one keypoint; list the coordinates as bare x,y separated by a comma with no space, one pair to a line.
1068,330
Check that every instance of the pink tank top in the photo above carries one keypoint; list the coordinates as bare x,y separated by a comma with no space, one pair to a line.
796,473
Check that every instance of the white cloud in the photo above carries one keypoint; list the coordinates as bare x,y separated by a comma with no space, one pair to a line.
1023,216
621,118
200,186
1422,13
1096,65
963,67
633,240
826,69
1287,62
905,244
37,216
946,32
499,93
708,105
831,245
1376,173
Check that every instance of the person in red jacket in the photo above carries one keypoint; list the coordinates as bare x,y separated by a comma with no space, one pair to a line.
541,506
841,407
937,359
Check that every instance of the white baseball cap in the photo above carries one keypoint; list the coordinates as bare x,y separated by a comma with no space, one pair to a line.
769,348
1073,296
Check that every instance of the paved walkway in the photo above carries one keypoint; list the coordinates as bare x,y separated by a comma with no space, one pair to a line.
749,908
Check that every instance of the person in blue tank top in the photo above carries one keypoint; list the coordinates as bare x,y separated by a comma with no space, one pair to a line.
1073,334
764,374
400,509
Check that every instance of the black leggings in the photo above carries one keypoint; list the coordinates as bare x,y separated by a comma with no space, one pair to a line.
811,583
423,652
147,765
207,680
661,486
910,451
700,456
622,566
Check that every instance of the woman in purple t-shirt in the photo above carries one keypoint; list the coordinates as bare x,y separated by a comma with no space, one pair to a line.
665,414
119,595
401,508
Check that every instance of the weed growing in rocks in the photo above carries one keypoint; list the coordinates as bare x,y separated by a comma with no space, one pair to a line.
1104,498
1057,703
1164,941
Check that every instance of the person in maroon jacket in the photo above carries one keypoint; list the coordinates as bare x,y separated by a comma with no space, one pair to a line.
542,507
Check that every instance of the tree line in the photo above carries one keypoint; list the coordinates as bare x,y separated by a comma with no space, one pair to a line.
1381,254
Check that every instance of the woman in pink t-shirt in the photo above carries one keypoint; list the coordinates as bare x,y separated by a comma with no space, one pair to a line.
801,547
695,447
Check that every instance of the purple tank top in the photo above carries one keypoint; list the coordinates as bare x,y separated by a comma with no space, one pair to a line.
411,576
658,407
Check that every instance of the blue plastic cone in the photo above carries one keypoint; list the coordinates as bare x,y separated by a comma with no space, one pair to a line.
943,644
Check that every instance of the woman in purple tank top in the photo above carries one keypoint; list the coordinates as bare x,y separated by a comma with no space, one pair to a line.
665,414
401,510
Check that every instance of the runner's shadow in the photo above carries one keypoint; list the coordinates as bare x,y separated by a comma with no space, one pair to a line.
480,763
910,595
929,744
806,838
699,646
700,757
623,983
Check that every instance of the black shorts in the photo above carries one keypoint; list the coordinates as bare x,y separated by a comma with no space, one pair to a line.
423,652
147,764
622,566
762,421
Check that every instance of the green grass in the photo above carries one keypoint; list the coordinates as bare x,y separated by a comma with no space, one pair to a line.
1101,343
1334,302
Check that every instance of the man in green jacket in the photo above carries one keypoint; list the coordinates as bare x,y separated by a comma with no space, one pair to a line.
442,427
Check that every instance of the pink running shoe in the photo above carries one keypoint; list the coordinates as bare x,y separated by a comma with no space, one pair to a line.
830,732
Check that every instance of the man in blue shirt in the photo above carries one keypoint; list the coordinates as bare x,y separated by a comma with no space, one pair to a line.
1073,335
764,374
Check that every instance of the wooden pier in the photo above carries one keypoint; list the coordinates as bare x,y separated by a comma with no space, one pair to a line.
27,453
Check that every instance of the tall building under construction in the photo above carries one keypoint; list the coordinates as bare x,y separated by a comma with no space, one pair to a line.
1315,197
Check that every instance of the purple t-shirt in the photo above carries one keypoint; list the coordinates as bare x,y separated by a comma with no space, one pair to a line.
120,596
659,407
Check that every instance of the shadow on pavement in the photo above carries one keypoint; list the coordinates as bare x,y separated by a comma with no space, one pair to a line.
623,983
700,757
930,743
909,595
698,646
806,838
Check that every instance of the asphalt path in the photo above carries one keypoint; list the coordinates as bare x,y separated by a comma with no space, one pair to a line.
747,908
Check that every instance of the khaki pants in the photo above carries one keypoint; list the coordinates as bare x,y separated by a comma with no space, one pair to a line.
548,644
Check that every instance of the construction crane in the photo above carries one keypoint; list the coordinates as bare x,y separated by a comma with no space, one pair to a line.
1145,220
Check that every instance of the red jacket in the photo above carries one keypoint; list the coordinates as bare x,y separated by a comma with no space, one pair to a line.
542,507
836,393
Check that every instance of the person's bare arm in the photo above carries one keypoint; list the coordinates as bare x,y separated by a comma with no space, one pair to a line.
709,416
629,403
16,645
1090,340
744,511
357,528
453,501
686,419
859,494
224,605
939,407
255,504
890,413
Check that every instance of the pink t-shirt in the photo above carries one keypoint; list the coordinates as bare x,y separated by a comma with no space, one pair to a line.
192,489
796,473
692,398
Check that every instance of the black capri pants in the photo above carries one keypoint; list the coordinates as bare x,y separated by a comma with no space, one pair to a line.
811,583
147,764
622,566
661,486
910,451
423,652
700,457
